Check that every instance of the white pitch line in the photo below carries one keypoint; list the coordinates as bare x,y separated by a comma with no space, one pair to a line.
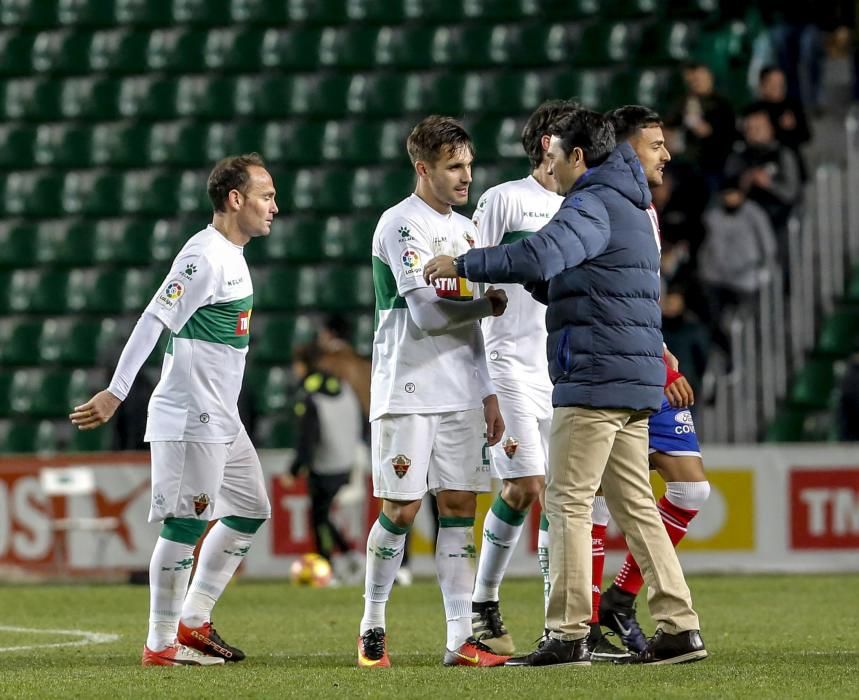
86,638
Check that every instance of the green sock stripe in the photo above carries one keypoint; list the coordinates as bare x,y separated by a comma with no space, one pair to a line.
453,521
544,522
506,513
246,525
389,525
183,530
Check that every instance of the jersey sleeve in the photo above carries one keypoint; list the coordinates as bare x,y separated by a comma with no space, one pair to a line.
189,285
490,218
406,250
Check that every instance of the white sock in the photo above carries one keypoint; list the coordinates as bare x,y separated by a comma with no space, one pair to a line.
501,530
169,571
688,495
600,514
385,549
454,562
222,552
543,559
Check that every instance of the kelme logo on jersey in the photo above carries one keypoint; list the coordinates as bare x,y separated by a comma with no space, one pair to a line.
459,288
510,445
201,502
405,234
189,271
411,261
243,323
401,465
171,294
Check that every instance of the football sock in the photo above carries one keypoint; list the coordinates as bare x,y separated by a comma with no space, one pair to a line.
543,558
454,561
385,545
501,530
600,517
169,571
223,550
681,503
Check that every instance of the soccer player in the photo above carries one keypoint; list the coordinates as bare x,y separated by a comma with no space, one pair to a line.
431,397
674,450
204,466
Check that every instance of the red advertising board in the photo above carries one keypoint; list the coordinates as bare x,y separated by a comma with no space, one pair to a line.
824,508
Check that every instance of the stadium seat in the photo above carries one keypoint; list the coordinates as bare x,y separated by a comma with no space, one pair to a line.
141,12
434,11
787,426
629,9
138,286
26,13
607,43
122,241
839,335
96,290
91,193
543,44
23,435
168,237
91,97
323,95
348,48
37,291
380,188
17,143
225,138
71,341
318,189
17,244
176,50
150,192
852,292
205,97
15,50
299,240
258,12
34,193
439,93
32,99
201,12
316,11
293,142
277,432
86,12
571,9
362,336
492,11
503,93
90,440
181,143
233,49
813,384
64,242
193,196
61,51
50,392
594,88
122,144
382,94
19,340
285,288
469,46
345,287
376,11
270,388
263,97
118,51
404,47
291,49
353,141
349,238
668,42
147,97
656,87
273,336
62,145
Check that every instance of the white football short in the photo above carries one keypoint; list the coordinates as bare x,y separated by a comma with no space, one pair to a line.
413,454
207,481
524,449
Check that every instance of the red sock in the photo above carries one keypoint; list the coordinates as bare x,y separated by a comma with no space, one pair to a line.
598,560
676,521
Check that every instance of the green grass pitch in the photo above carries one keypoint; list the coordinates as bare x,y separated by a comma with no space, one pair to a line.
768,637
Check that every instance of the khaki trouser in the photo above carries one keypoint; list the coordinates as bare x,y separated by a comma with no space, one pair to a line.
609,446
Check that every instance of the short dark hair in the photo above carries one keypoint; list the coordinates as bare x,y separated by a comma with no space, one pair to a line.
765,72
629,119
230,173
437,136
591,131
538,125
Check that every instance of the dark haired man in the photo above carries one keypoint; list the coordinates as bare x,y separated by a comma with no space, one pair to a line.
431,397
596,264
204,466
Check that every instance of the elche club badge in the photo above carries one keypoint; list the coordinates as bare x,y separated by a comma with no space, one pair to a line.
201,502
401,465
510,445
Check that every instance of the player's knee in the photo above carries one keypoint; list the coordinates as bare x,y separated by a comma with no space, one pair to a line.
519,494
401,513
457,504
688,495
183,530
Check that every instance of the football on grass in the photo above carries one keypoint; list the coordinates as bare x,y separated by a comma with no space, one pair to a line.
311,570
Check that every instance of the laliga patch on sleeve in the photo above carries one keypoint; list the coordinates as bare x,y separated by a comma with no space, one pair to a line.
411,262
171,294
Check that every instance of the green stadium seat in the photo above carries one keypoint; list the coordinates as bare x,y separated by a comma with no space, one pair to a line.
263,97
629,9
202,97
233,49
270,387
26,13
176,50
193,196
404,47
80,342
323,95
258,12
32,99
37,291
168,237
505,92
92,193
594,88
17,244
118,51
435,11
123,144
692,8
223,139
653,87
353,141
852,292
571,9
379,189
24,436
787,426
813,384
668,42
150,192
17,145
140,286
383,94
316,11
281,288
19,340
541,44
86,12
62,145
147,97
299,240
92,97
345,287
99,440
293,142
464,46
839,335
50,392
292,49
607,43
440,93
15,51
277,432
362,336
348,48
348,238
497,136
180,143
274,336
64,243
317,189
376,11
61,51
5,289
123,241
201,12
34,193
141,12
96,290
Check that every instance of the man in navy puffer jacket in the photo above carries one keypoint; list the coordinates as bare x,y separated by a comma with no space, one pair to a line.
596,265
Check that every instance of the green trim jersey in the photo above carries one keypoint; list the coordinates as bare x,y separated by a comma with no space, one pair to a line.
415,371
205,302
516,341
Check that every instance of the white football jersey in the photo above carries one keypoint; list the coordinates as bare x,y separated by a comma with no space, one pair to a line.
414,371
516,341
205,301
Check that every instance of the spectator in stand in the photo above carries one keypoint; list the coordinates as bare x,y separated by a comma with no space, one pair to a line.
686,335
737,256
707,122
787,114
338,357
